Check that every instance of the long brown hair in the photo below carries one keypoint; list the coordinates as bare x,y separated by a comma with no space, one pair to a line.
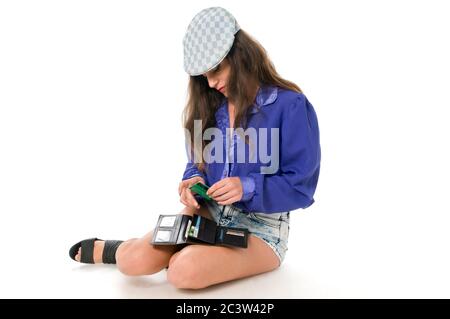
250,67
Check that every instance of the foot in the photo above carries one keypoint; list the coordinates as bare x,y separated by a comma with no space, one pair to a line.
98,251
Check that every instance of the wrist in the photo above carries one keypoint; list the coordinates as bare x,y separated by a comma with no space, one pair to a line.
248,188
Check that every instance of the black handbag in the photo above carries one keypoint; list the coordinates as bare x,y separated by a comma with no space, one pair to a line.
182,229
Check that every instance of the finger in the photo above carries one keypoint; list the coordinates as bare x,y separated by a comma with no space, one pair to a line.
216,186
220,192
182,186
194,180
186,198
183,199
186,202
191,199
225,187
225,196
230,201
183,202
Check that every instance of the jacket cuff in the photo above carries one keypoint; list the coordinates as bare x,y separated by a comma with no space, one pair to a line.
248,188
187,176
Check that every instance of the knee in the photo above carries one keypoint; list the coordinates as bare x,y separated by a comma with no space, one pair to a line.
185,271
133,260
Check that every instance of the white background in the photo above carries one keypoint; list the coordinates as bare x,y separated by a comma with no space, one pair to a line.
91,144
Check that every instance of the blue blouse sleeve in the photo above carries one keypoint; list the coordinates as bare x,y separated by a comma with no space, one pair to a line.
191,170
294,184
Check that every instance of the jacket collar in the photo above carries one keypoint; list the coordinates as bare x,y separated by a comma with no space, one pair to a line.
266,95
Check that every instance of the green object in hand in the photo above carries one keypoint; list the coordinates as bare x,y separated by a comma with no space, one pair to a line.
200,189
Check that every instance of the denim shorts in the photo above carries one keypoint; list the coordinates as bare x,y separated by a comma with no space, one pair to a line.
273,229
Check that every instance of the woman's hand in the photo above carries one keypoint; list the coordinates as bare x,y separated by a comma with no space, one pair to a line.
186,196
226,191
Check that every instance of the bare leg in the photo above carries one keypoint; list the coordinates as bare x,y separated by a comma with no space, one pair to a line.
194,266
138,257
200,266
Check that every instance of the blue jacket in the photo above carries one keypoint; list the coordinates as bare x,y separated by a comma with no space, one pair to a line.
293,185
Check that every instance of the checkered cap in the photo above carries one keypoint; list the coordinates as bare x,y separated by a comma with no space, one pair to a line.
208,39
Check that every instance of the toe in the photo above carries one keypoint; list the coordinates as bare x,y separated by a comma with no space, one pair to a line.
78,255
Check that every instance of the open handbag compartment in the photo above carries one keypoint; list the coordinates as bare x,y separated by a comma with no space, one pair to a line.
181,229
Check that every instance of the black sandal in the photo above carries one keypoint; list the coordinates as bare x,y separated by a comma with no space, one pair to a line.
87,251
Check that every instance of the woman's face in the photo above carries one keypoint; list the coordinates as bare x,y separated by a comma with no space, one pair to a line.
218,77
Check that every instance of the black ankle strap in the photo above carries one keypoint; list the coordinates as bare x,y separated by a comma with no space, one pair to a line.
109,252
